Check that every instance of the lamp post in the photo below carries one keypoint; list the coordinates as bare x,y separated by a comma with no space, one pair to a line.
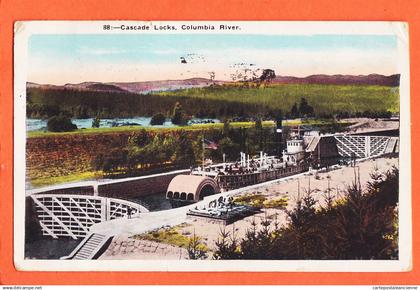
279,132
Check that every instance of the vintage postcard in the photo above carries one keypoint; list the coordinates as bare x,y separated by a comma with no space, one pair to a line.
212,146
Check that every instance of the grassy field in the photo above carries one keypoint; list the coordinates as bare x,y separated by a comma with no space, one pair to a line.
323,98
50,180
171,236
174,236
128,129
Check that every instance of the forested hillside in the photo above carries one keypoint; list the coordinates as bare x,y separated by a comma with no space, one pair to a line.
215,101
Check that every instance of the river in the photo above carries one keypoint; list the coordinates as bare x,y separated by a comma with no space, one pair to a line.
39,124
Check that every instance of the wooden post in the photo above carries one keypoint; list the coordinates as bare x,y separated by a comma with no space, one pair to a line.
203,154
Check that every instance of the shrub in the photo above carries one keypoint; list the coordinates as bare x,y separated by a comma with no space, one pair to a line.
169,236
60,123
227,247
196,249
96,122
158,119
178,116
254,199
280,203
362,225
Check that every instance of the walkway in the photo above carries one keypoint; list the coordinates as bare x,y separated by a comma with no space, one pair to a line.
145,222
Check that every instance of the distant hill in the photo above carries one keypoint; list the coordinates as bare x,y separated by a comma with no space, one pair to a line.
372,79
86,86
166,85
133,87
171,85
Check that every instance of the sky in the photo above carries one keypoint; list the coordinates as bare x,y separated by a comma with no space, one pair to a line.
75,58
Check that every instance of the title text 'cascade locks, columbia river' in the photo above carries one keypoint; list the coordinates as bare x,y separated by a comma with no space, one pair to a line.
167,27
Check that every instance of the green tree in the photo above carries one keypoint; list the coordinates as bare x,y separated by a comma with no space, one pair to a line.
294,112
98,162
226,128
361,225
138,151
60,123
258,124
196,249
267,75
178,115
227,247
305,110
82,112
228,147
259,244
184,152
114,161
168,146
50,110
157,149
140,138
158,119
138,156
96,122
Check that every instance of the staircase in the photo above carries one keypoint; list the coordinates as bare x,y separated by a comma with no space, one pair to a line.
88,248
313,144
391,146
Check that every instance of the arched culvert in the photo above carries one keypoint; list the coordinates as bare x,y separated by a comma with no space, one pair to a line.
207,190
198,186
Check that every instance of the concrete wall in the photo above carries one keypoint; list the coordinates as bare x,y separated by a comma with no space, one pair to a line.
327,148
33,230
135,187
391,133
118,188
77,190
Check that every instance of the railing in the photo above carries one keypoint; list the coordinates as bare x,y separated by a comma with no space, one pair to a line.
233,181
73,215
361,146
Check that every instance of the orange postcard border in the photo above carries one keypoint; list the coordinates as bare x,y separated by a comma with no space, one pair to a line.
298,10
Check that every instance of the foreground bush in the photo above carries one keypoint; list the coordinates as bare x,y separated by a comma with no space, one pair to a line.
362,225
158,119
60,123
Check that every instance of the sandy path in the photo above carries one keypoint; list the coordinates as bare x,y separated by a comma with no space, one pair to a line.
133,249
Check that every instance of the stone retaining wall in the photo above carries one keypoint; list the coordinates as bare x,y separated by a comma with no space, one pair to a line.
138,187
125,188
129,248
79,190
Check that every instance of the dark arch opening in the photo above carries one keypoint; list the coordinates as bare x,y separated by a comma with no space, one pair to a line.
169,194
183,196
190,196
206,191
176,195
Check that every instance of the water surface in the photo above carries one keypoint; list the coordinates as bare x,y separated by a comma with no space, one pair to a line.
39,124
